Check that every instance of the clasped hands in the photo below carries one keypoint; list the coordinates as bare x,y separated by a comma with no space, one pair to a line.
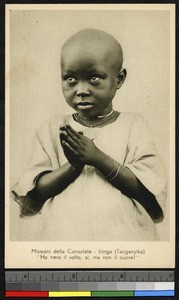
78,149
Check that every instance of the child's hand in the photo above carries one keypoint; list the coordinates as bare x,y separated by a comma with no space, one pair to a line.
79,146
73,160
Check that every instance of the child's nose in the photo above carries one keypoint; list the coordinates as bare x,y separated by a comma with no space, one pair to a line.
82,89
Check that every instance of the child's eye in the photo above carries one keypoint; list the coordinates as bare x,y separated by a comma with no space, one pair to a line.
95,78
70,79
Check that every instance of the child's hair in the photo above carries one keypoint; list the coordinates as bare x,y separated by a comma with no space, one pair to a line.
94,38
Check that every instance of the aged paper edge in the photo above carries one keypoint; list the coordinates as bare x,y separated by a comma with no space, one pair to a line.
155,257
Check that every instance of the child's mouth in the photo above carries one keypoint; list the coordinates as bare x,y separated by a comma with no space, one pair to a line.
85,105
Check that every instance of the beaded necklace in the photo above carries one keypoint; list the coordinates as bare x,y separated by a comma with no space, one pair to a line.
92,132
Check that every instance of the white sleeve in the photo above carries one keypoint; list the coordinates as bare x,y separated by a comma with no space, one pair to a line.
39,164
143,159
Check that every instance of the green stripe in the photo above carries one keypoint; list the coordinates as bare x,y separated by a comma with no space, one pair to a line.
112,293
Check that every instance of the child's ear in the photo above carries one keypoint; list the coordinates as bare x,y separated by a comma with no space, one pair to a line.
121,78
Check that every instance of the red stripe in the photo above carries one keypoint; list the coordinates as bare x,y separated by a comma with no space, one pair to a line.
26,294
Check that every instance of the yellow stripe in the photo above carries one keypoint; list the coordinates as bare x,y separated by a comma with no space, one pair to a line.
70,294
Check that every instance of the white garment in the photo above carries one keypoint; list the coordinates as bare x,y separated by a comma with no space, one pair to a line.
91,209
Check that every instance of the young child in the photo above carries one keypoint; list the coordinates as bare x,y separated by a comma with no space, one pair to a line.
94,175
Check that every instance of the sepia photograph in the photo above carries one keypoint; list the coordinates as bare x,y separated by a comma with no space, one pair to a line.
90,135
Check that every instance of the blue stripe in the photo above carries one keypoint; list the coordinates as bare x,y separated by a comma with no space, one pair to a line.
154,293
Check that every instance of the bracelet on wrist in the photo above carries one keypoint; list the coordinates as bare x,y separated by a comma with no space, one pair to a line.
117,172
114,172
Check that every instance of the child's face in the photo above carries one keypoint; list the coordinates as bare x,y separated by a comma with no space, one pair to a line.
89,80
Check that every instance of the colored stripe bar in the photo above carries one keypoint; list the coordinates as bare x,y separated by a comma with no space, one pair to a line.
113,294
26,294
89,294
70,294
154,293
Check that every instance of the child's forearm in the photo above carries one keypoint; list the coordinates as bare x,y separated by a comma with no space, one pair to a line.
124,180
53,183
